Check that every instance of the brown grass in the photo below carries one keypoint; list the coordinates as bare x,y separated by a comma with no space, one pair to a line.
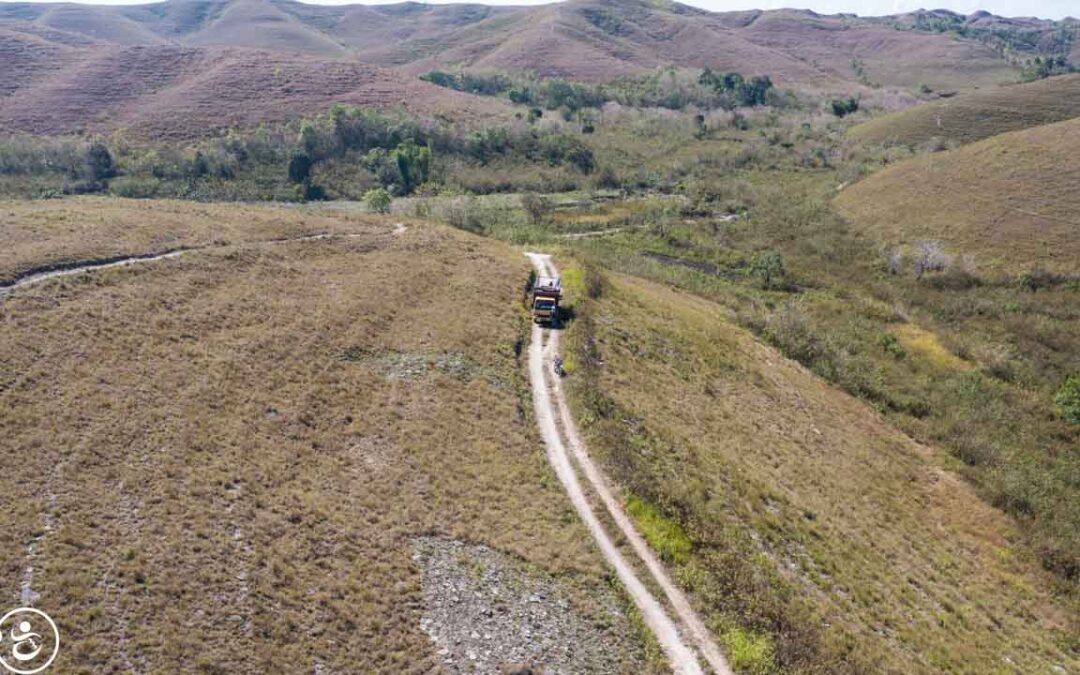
1011,200
889,57
180,93
42,233
812,521
979,114
225,475
595,40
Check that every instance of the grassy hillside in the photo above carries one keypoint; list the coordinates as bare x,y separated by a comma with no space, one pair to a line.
261,440
103,24
582,39
258,24
57,231
878,55
788,506
1010,201
159,93
979,114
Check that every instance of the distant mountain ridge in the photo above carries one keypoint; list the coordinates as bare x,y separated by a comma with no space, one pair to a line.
70,68
587,39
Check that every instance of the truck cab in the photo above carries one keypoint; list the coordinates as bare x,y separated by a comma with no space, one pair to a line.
546,293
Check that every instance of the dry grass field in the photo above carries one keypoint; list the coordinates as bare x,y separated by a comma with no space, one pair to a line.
223,461
818,537
980,114
1010,201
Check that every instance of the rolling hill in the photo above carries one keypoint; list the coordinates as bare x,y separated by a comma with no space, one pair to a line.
582,39
979,114
1009,200
175,92
743,467
873,54
239,438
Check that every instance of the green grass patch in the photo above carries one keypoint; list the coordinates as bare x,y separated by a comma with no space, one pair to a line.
664,535
749,652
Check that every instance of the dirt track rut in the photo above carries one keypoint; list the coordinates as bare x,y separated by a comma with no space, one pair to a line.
559,432
64,269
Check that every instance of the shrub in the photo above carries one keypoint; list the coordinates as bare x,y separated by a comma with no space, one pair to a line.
1068,399
310,192
894,260
891,345
537,207
1038,279
768,267
930,257
97,163
746,92
135,187
377,200
84,187
842,107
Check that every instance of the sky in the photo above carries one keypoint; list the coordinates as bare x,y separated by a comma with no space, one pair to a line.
1047,9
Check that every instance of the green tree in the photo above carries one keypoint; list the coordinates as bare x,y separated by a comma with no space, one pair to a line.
299,167
769,269
841,107
309,138
98,162
413,163
199,165
377,200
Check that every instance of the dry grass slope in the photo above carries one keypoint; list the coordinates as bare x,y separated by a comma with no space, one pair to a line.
178,93
581,39
87,228
258,24
903,566
225,458
979,114
888,57
1010,200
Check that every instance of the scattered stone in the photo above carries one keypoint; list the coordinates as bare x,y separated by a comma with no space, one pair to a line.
535,625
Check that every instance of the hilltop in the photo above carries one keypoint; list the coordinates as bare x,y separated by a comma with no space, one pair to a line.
1010,200
978,114
581,39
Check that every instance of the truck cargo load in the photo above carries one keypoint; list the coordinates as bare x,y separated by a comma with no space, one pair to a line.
546,293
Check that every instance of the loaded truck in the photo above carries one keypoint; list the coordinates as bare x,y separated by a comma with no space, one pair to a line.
546,293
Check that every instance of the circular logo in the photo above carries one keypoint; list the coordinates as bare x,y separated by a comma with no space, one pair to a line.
29,641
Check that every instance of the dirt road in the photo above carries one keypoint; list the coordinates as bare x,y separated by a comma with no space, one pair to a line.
65,269
559,432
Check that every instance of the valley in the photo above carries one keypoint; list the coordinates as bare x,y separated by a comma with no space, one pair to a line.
269,364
